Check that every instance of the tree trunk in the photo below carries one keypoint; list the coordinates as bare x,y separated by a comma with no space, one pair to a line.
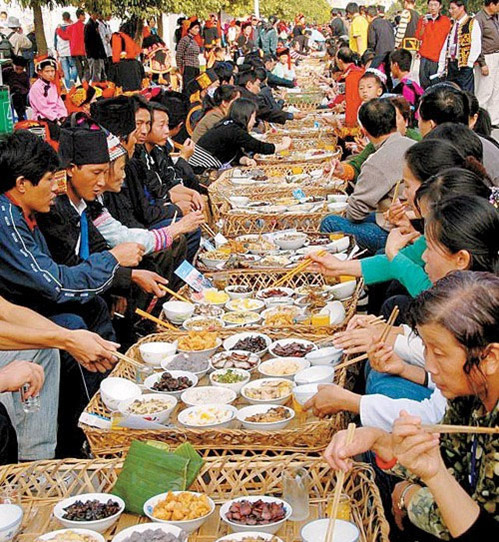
160,25
139,31
41,42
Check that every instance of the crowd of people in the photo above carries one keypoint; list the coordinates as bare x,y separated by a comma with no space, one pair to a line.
104,190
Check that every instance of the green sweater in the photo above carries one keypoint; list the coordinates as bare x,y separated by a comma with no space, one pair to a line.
357,161
407,267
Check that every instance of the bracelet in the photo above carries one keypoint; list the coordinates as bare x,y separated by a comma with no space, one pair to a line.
385,465
426,379
401,504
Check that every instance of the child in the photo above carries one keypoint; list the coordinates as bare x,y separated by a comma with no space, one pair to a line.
17,79
283,67
371,85
400,66
44,97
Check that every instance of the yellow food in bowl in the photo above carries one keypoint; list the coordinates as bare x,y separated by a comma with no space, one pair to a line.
182,507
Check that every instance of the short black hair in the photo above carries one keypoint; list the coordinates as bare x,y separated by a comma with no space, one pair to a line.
23,154
79,12
154,106
261,73
461,136
378,117
345,54
444,103
224,72
403,58
439,1
460,3
352,7
139,102
246,77
488,2
372,11
472,102
66,15
176,105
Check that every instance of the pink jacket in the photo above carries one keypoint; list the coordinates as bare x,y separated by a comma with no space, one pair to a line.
49,107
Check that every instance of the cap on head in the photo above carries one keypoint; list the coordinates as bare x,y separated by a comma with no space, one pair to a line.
83,142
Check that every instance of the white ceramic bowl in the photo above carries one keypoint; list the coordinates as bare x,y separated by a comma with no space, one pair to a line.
192,323
11,517
99,525
230,342
324,356
95,536
239,201
211,263
286,299
171,529
188,526
271,528
339,245
253,357
154,353
160,416
303,393
337,207
237,537
245,305
285,342
298,240
202,354
232,292
315,531
199,374
236,386
256,383
248,411
178,311
114,390
294,311
266,367
241,318
320,374
151,380
182,417
336,312
343,290
214,395
335,198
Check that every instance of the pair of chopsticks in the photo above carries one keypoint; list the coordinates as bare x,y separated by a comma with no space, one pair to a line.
443,428
174,294
384,335
396,192
207,229
298,269
128,359
152,318
338,488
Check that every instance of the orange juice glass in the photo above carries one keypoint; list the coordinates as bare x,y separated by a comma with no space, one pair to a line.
346,278
336,236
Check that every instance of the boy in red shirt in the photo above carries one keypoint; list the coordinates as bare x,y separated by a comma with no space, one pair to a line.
75,33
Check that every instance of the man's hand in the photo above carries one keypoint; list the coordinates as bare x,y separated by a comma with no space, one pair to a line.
384,360
187,149
14,375
485,71
197,201
91,351
190,222
148,281
247,161
128,254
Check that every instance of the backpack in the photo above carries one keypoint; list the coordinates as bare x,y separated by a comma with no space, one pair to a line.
6,50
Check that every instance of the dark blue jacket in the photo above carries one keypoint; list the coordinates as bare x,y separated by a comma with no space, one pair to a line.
30,276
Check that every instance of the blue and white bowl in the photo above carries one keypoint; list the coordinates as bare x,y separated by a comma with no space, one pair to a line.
11,517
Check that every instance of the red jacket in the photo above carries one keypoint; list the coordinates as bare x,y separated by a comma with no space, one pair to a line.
75,33
432,36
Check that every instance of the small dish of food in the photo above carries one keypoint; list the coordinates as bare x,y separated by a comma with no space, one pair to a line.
272,391
235,359
290,241
291,348
239,201
203,323
211,311
241,318
281,315
267,514
186,362
171,382
71,535
249,536
238,292
337,207
320,374
283,367
187,510
271,261
213,259
234,379
265,417
344,290
303,393
256,343
324,356
11,518
273,296
211,296
114,390
209,416
247,304
151,407
94,511
316,531
148,532
199,344
153,353
205,395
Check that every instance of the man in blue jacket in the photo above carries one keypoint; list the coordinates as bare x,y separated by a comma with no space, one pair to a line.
68,295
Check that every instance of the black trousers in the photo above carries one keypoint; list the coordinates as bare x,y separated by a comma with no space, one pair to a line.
427,68
464,77
190,73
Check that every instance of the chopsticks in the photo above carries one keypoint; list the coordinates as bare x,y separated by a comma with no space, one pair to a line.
174,294
208,230
384,335
298,269
128,359
396,192
442,428
148,316
338,488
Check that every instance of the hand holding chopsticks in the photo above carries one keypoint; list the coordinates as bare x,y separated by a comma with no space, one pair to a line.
297,269
152,318
174,294
338,488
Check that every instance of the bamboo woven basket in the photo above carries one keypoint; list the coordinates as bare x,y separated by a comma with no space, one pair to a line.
276,159
305,433
42,484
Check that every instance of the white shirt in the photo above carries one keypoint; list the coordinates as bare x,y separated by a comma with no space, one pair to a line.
105,33
476,44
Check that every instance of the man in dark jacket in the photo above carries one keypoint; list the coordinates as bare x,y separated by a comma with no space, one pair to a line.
96,53
380,36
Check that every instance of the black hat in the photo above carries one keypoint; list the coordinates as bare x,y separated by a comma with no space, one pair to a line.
115,114
83,142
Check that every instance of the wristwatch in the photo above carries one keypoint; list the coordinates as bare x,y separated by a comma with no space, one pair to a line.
401,502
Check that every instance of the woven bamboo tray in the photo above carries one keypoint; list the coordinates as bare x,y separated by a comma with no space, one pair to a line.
305,433
42,484
284,158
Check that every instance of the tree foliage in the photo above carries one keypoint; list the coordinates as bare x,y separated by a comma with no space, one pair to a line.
474,6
